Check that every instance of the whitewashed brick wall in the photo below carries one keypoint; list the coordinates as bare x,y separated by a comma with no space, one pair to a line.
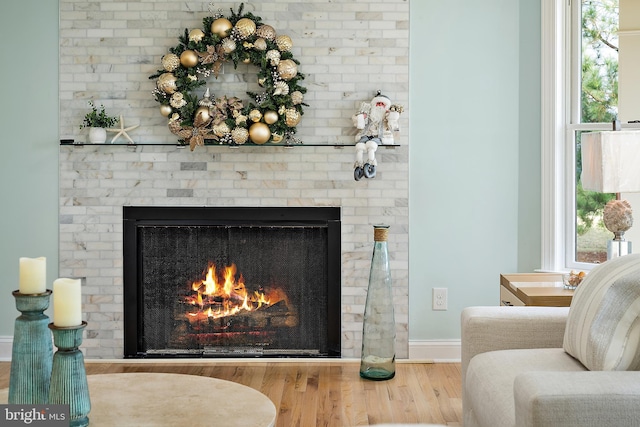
348,49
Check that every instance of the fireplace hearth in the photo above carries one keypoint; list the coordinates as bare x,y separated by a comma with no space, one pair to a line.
231,282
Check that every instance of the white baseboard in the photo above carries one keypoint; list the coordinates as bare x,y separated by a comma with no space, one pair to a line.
6,344
437,351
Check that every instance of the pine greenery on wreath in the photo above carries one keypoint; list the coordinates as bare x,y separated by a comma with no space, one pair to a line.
270,116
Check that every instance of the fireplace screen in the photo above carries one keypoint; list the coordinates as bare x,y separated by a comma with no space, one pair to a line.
231,288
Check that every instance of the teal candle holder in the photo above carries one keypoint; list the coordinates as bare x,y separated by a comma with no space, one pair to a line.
32,350
68,375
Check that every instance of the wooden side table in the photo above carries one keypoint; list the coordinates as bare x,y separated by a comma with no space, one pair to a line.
536,289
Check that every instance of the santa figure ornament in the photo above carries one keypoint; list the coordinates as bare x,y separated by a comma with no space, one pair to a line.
376,122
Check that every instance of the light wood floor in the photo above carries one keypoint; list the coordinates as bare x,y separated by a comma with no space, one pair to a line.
324,393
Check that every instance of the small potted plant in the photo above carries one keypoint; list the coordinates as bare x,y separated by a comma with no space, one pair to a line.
97,122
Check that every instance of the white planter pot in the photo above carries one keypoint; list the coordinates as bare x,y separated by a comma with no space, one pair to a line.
97,135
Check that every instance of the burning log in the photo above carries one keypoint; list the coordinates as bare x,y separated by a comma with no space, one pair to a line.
222,311
221,297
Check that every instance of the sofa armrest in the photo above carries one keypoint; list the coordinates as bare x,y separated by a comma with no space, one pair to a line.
504,328
603,398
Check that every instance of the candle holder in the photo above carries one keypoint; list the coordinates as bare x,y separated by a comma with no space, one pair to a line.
32,350
68,376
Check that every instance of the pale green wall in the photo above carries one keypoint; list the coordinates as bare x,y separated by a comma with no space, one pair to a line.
474,154
529,132
29,158
474,144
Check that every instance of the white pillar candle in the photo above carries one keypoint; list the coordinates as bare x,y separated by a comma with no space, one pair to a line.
67,302
33,275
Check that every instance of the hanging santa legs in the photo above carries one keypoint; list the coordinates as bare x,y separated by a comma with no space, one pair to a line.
365,169
376,122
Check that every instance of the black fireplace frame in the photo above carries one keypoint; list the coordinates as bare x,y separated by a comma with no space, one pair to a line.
137,216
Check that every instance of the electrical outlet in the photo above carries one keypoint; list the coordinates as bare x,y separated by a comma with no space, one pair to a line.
439,298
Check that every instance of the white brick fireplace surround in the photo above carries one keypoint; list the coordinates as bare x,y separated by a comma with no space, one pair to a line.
97,181
348,49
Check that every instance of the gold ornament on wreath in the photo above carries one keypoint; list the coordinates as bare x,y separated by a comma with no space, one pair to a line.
197,117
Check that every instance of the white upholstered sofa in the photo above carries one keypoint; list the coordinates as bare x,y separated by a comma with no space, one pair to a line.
548,366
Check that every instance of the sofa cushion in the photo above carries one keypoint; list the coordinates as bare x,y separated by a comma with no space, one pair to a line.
603,327
488,387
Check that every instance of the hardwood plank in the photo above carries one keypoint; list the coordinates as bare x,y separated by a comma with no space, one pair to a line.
309,401
273,386
323,393
425,397
403,402
289,403
448,397
352,393
325,406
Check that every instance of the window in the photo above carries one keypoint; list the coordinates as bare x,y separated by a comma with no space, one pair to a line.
594,69
579,81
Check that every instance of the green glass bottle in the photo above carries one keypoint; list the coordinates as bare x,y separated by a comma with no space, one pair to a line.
378,360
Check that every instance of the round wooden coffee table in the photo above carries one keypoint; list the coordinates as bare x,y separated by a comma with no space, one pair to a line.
151,399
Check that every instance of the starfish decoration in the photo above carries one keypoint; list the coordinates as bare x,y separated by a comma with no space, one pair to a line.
122,131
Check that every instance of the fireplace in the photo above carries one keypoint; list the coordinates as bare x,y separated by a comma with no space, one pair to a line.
231,281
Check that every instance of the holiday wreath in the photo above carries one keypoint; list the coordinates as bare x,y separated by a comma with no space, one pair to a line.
268,116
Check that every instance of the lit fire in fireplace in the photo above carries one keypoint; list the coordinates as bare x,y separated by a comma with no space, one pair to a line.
216,297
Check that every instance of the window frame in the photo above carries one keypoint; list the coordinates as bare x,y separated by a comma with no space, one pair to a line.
560,103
